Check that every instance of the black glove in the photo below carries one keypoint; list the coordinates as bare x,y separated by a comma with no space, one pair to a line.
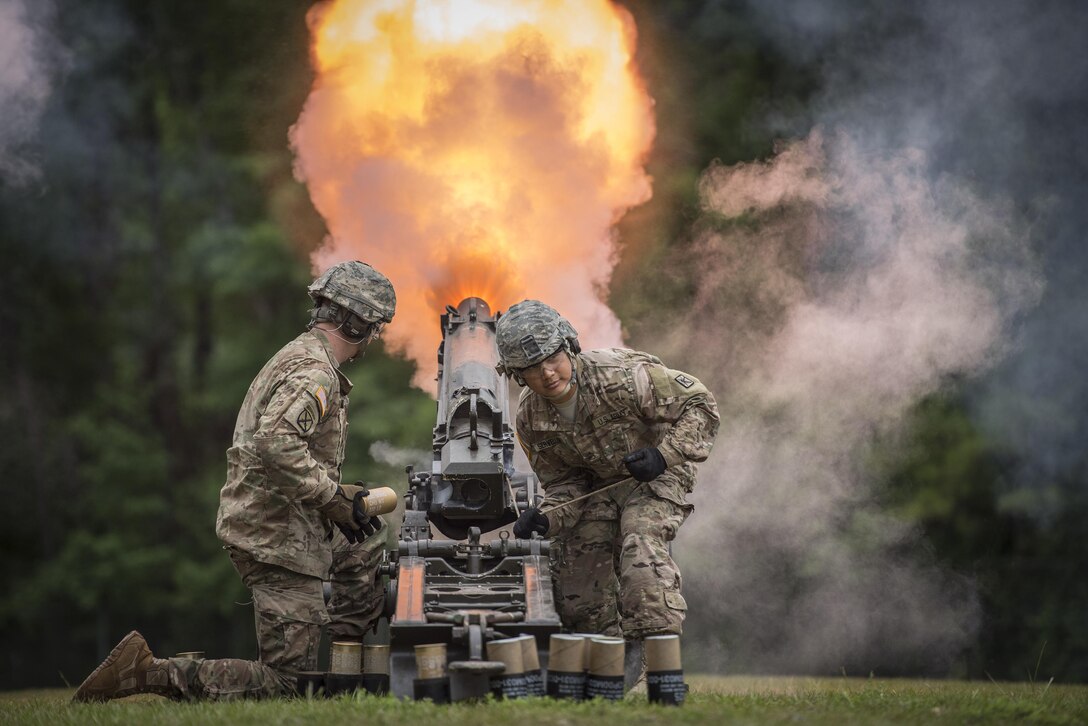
351,535
531,520
645,464
369,525
348,512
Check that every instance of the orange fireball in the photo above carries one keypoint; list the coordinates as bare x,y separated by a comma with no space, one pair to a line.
476,147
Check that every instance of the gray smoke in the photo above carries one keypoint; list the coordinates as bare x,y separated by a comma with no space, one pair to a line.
389,454
913,235
25,85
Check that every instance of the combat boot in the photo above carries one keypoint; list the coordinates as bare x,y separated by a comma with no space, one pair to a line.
130,668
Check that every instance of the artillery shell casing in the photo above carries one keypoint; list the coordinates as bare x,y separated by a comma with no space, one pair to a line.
606,656
376,659
376,669
662,652
664,671
530,660
508,652
587,637
380,500
347,658
605,678
567,653
431,661
511,682
566,666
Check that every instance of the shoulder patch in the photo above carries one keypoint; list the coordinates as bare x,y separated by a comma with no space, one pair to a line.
304,421
685,381
322,397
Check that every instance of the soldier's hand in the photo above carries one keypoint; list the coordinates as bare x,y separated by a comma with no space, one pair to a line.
367,524
531,520
350,534
341,508
347,510
645,464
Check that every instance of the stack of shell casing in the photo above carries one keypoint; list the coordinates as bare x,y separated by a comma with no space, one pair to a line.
352,667
511,683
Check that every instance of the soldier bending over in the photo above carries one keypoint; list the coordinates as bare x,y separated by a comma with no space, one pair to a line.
587,420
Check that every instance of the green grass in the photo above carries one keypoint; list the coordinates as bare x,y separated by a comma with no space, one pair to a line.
732,700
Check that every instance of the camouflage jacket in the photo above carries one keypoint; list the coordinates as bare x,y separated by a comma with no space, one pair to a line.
627,400
285,459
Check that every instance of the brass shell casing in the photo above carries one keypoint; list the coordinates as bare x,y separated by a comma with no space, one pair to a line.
346,658
606,656
380,500
431,661
376,659
530,657
507,651
587,637
662,653
567,653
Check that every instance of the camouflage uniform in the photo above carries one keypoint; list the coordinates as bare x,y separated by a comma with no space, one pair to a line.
276,513
285,463
615,545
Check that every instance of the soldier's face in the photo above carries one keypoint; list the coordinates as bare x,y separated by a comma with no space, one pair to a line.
551,377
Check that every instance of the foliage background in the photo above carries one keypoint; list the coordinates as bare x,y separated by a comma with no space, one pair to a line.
154,248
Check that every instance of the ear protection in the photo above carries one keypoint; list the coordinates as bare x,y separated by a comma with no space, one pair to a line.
351,325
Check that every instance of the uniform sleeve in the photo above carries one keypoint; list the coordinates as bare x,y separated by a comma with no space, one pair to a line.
682,401
560,481
283,432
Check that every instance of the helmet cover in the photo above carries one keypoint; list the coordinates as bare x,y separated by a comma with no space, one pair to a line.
358,287
529,332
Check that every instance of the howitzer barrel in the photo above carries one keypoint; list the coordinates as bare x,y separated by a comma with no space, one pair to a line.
473,442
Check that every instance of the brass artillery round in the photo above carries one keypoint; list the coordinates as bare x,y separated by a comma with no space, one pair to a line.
431,661
381,500
508,651
662,653
606,656
567,653
376,659
346,658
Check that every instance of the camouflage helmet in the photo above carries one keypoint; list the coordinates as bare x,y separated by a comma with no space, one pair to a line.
358,288
529,332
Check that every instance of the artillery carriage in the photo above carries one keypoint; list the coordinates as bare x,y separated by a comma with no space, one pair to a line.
466,588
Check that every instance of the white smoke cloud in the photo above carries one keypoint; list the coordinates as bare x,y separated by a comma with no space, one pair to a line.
389,454
24,89
836,286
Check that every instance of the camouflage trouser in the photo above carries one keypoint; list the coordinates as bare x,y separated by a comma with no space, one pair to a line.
357,595
616,558
289,610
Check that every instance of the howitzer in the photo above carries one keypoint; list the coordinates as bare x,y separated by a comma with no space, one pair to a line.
462,590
